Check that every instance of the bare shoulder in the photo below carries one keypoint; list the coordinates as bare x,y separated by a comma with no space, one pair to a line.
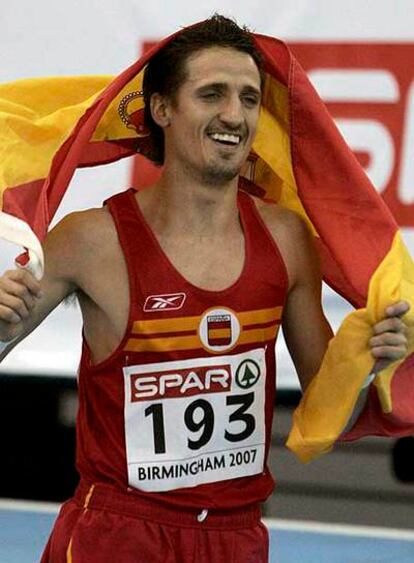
84,226
280,220
77,240
291,234
287,227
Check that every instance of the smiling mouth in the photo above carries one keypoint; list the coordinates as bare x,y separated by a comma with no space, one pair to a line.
226,139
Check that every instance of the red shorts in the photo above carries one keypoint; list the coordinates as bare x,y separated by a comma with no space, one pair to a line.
103,525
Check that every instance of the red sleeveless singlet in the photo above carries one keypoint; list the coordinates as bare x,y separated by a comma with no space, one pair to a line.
182,410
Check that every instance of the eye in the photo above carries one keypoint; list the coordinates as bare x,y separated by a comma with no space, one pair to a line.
210,96
250,100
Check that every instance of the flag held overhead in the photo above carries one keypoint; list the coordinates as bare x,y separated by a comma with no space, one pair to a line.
50,127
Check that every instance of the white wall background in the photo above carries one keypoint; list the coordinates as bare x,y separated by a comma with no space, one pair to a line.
100,36
47,37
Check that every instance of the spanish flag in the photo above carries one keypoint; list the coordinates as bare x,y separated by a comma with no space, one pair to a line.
49,127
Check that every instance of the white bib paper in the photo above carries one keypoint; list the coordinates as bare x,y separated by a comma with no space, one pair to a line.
195,421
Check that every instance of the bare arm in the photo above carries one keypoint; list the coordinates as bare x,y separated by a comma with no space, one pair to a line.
306,330
24,301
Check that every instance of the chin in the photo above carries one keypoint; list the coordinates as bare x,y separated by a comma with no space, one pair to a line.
219,175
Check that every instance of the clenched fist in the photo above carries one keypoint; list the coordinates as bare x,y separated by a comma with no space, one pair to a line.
19,293
389,342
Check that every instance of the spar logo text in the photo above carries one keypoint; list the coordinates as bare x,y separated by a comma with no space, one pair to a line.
180,382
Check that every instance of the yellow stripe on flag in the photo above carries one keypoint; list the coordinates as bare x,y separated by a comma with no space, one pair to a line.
329,400
36,117
393,281
272,145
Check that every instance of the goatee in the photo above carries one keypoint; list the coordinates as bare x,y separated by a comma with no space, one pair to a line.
219,175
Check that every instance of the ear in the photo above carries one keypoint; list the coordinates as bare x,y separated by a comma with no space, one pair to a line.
160,110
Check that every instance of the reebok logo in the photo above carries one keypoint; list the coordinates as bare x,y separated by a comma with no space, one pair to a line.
166,302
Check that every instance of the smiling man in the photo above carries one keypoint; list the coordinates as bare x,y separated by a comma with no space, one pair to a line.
211,150
181,309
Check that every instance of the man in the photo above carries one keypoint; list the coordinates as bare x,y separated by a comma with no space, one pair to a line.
182,289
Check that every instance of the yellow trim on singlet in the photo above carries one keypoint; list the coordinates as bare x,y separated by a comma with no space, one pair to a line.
163,344
158,326
260,316
182,324
177,343
258,335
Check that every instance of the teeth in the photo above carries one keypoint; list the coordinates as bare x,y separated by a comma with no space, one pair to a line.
226,138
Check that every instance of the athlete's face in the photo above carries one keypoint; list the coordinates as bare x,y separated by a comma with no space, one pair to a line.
212,120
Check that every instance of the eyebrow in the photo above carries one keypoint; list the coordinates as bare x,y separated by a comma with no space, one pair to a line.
252,90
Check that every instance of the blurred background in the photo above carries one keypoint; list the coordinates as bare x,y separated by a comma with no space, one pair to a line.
360,57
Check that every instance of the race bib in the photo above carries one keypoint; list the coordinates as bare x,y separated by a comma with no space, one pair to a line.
195,421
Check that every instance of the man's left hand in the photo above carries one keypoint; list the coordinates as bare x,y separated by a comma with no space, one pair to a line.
389,342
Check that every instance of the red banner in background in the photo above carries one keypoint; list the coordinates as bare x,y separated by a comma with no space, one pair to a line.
369,90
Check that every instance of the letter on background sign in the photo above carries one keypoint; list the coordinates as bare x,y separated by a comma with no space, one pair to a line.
362,135
406,186
369,90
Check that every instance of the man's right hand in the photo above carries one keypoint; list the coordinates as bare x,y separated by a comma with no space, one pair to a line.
19,293
25,301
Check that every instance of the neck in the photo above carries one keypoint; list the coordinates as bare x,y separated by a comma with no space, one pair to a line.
179,204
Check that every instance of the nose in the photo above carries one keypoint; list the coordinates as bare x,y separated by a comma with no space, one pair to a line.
231,113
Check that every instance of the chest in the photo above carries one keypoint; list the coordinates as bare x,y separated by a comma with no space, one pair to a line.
234,270
213,265
210,263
